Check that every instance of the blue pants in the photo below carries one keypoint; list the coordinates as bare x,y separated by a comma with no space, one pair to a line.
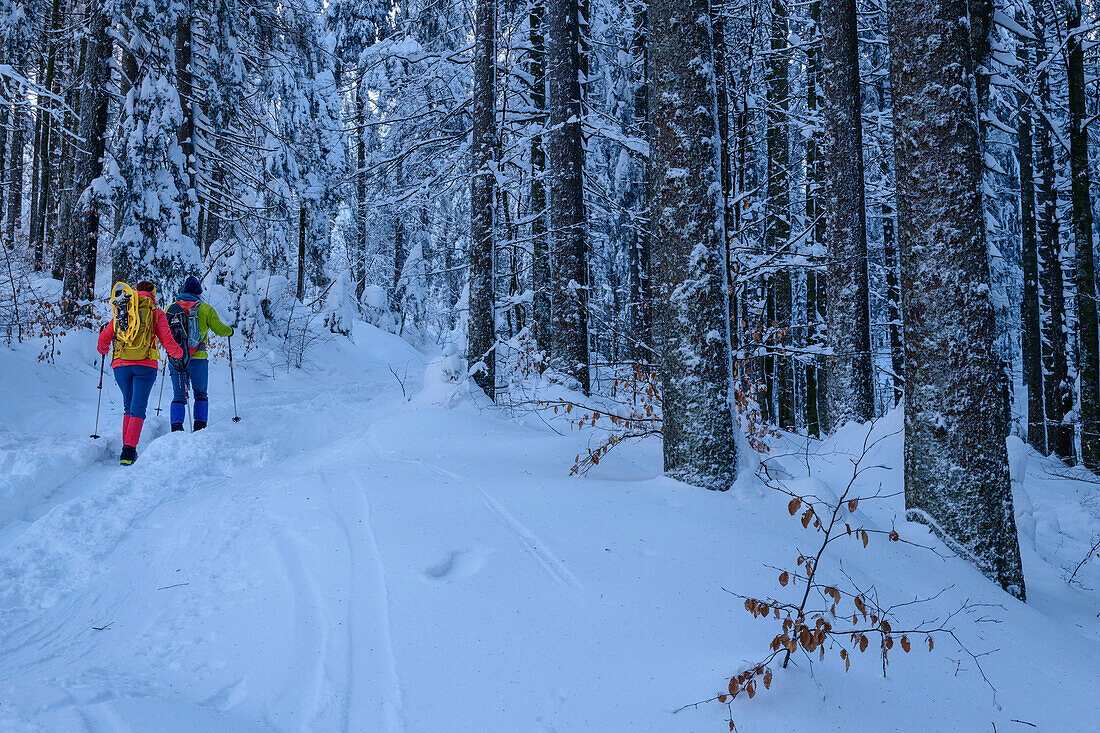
198,375
136,382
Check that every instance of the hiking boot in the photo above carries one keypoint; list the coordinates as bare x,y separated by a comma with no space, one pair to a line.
129,455
199,425
177,427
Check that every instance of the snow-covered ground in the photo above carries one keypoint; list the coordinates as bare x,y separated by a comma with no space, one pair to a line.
351,558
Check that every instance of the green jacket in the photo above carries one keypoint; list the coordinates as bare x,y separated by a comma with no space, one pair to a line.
208,321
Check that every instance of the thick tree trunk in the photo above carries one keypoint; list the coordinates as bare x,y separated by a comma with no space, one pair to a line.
691,324
540,252
956,422
568,238
1030,326
1057,386
480,350
851,388
1088,353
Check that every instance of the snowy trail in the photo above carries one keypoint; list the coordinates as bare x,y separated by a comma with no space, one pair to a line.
345,559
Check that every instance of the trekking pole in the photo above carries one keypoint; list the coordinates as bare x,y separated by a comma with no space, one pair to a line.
233,382
99,401
160,400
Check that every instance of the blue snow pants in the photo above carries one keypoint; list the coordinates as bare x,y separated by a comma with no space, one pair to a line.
136,382
197,375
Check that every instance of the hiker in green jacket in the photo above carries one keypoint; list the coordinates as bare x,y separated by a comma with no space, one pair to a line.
198,319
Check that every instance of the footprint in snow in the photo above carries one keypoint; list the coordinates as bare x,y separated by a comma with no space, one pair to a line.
459,564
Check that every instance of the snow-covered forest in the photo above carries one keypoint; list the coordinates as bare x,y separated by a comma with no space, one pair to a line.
595,365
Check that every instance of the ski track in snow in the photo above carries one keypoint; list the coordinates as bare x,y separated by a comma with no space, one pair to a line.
554,567
530,542
310,643
369,638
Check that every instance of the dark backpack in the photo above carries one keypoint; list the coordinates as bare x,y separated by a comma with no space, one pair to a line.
180,324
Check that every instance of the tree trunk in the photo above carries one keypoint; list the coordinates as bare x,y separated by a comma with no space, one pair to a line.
639,247
540,254
893,302
778,367
38,222
956,422
813,210
94,98
691,325
1088,354
1057,386
1030,326
360,192
300,291
15,186
186,133
480,351
851,388
568,238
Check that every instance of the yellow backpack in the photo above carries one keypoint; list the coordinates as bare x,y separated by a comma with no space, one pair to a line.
135,324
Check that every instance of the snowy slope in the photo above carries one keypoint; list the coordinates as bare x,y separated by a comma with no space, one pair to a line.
349,558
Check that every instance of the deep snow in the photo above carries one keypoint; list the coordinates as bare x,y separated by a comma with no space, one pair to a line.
349,558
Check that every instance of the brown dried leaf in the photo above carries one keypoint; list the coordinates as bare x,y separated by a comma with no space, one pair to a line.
767,679
784,578
852,504
793,506
905,644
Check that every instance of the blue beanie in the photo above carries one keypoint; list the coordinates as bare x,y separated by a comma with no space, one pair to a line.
192,286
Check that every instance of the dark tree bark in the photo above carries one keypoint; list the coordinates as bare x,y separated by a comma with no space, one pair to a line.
1030,325
568,238
79,282
1057,385
186,133
639,255
360,193
15,167
813,211
779,367
691,324
893,302
540,253
956,422
300,290
851,388
43,142
480,350
1088,348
